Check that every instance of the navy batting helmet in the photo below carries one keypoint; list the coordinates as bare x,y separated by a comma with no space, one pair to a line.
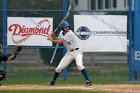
64,24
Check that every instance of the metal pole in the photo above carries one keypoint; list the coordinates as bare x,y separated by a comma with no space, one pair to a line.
64,51
130,39
4,31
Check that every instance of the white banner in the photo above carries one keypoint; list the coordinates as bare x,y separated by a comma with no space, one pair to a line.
29,31
101,33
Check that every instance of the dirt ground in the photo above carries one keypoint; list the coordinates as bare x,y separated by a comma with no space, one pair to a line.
126,88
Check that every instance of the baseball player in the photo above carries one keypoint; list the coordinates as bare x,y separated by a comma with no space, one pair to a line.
8,58
68,38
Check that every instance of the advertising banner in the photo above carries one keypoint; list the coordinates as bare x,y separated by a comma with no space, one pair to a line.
101,33
29,31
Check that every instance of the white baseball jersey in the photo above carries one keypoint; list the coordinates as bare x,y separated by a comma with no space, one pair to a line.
70,40
71,44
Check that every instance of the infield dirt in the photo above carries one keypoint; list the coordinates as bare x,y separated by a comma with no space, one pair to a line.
121,88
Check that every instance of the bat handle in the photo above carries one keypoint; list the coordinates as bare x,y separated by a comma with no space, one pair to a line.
54,54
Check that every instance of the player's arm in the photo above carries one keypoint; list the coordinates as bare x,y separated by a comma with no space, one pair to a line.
8,58
14,55
55,40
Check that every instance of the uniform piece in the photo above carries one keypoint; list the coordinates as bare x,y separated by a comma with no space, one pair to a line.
73,51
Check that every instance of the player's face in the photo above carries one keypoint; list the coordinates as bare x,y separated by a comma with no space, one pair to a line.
66,29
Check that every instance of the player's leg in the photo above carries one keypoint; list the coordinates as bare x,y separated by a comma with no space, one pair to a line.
79,61
65,61
84,72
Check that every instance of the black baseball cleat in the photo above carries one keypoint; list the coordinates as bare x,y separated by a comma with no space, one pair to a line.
88,83
51,83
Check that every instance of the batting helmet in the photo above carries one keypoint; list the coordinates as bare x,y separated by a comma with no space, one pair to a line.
64,24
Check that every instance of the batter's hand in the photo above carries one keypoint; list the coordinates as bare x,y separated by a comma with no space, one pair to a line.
53,34
50,38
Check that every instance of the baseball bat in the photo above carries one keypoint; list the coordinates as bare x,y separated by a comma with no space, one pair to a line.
67,15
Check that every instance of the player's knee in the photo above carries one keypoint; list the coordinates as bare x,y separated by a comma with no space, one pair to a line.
58,70
80,67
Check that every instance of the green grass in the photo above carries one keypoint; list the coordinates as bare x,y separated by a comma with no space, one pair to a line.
48,91
36,73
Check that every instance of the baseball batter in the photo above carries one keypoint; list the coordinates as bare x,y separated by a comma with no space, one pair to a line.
68,38
8,58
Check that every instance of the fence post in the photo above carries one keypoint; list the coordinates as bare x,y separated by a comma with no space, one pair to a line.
4,32
130,38
64,51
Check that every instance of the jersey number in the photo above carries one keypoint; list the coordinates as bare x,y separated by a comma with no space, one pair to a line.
69,43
